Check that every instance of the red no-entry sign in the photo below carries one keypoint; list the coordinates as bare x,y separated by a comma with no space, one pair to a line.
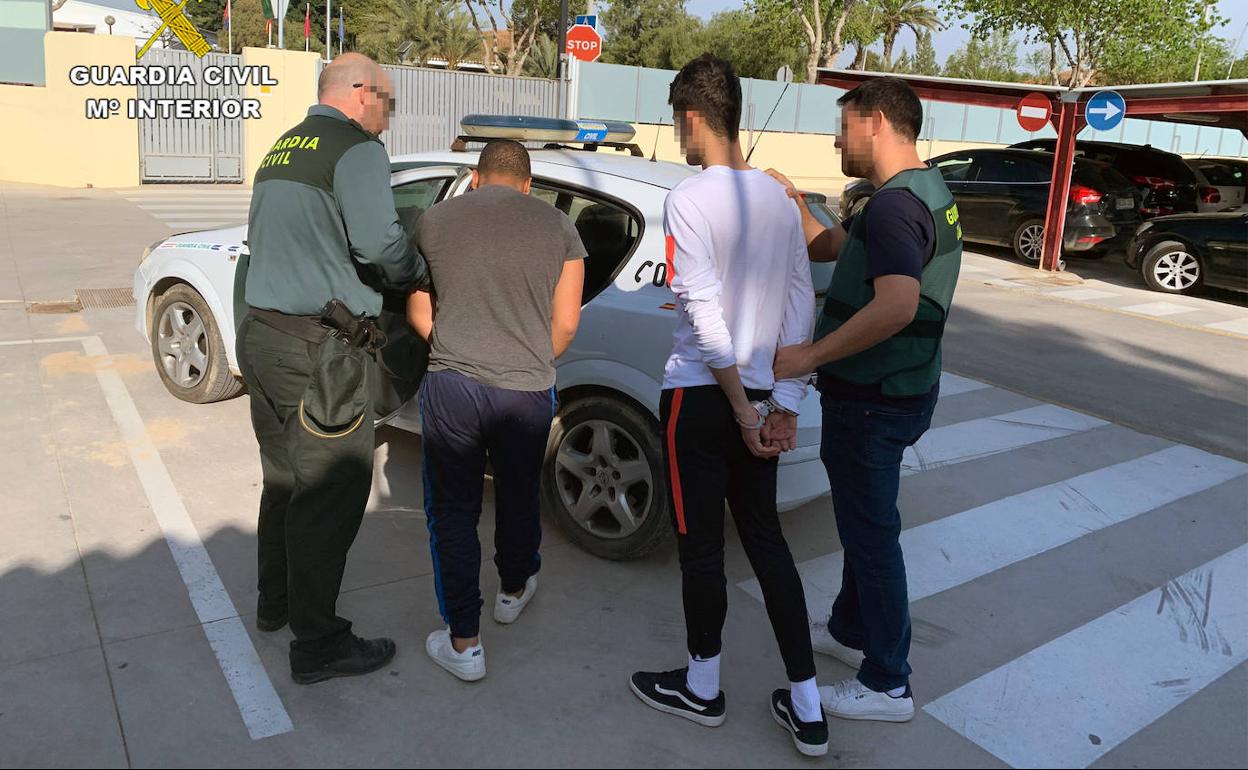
1034,111
584,42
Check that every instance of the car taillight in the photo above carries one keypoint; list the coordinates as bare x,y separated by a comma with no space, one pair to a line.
1084,195
1210,195
1153,182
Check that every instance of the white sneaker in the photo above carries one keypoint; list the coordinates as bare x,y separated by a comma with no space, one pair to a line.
821,639
852,699
508,608
468,665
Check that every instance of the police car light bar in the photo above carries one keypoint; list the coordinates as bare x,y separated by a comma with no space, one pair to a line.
525,128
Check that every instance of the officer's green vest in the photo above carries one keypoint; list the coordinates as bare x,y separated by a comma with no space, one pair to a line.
908,363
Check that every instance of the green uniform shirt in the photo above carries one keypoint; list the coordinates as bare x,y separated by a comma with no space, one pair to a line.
322,223
908,363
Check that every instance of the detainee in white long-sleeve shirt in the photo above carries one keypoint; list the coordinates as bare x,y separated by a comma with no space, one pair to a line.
737,262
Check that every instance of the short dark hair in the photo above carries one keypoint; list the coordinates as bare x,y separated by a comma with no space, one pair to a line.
892,96
504,157
709,85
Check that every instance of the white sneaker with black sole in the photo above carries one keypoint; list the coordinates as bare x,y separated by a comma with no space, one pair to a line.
508,608
823,642
468,665
669,692
852,699
810,738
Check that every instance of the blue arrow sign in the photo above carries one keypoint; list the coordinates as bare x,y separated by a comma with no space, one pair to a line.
1105,110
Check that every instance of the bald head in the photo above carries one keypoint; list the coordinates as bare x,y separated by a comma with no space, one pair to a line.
358,87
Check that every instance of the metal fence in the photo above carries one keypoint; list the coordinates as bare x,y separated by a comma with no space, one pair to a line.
429,104
639,95
195,150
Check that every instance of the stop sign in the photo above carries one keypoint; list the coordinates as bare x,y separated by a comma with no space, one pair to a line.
584,42
1034,111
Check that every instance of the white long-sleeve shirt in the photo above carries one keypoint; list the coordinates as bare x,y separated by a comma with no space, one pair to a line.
737,262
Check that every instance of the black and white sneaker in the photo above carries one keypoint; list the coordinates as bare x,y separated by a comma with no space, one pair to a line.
669,692
810,738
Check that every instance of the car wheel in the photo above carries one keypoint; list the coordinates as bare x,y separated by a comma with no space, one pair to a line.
188,350
1028,241
1171,268
603,479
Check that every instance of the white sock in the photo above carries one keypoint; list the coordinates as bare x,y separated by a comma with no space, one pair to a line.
805,696
897,692
703,678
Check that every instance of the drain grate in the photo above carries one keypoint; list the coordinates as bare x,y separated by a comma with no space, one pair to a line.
103,299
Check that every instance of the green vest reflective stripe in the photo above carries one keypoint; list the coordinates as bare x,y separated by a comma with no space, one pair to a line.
908,363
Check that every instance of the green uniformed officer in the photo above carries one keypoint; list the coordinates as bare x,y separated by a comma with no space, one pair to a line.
322,227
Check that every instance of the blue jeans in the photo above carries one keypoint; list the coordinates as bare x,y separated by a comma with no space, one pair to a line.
863,444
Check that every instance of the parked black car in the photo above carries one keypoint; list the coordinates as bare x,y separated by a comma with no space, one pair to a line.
1169,185
1178,254
1002,196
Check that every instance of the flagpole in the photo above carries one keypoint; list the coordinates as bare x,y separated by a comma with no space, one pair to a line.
307,15
329,23
229,23
340,35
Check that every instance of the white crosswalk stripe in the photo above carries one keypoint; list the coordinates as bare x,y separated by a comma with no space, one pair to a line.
192,208
1072,698
1067,703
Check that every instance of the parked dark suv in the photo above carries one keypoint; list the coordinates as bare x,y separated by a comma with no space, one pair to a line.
1002,196
1168,183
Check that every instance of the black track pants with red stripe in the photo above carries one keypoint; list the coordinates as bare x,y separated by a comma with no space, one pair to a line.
709,464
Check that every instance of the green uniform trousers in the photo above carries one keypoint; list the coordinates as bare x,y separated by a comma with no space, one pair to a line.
315,490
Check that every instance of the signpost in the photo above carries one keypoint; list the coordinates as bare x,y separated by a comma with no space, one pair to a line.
1034,111
1105,110
584,42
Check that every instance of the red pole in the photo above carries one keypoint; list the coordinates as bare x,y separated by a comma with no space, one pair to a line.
1068,122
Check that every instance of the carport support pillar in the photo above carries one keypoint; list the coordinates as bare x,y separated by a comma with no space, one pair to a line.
1068,123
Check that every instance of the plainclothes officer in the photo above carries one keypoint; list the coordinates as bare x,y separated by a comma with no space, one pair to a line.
508,275
737,264
878,354
322,229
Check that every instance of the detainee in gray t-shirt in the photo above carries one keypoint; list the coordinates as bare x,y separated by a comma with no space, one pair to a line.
508,275
495,255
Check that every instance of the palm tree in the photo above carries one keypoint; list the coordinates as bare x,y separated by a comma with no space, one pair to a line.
896,15
457,41
544,58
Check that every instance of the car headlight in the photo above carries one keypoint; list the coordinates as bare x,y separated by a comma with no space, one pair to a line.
147,251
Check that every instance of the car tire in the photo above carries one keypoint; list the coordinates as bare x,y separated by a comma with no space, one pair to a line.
603,480
188,350
1171,268
1028,241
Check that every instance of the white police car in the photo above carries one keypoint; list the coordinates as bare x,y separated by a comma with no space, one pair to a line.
604,479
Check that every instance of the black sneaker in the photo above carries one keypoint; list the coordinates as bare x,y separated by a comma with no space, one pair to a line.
810,738
669,692
356,656
270,623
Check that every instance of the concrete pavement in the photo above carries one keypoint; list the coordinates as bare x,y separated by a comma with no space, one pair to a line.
1037,511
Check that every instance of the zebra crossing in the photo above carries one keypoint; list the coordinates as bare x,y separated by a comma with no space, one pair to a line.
192,207
1073,697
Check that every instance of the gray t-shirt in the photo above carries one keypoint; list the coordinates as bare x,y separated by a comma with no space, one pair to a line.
495,256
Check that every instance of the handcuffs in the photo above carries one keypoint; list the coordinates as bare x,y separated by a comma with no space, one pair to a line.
764,409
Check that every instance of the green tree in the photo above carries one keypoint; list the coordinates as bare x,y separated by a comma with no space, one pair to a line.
1084,32
508,30
744,39
862,30
897,15
994,58
821,25
922,61
543,58
642,32
457,40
